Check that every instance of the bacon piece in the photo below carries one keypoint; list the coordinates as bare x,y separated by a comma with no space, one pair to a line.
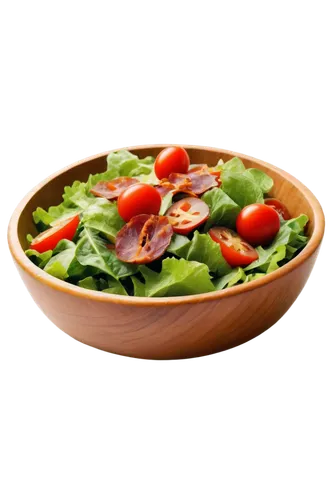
143,239
112,189
202,180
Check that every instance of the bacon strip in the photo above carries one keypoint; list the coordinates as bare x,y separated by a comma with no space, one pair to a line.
195,182
112,189
143,239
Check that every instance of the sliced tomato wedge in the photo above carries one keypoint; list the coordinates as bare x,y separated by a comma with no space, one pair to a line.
143,239
279,207
112,189
48,240
187,214
235,250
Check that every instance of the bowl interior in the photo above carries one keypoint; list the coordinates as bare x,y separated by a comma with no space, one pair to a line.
285,188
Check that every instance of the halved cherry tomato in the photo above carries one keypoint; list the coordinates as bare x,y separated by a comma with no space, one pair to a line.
279,207
171,160
187,214
139,199
48,240
258,224
235,250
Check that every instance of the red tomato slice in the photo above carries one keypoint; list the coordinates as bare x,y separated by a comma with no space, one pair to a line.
258,224
49,239
187,214
139,199
170,160
235,250
279,207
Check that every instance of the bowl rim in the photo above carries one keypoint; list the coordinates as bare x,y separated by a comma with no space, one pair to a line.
35,272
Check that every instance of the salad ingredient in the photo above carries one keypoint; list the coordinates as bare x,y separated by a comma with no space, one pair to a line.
258,224
64,264
240,188
139,199
201,249
177,277
123,163
259,177
112,189
223,210
279,207
143,239
171,160
235,276
91,251
187,214
235,250
103,216
48,240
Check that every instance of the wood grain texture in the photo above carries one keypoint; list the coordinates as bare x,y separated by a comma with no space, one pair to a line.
175,327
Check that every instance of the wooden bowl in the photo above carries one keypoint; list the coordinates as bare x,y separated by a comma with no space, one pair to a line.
175,327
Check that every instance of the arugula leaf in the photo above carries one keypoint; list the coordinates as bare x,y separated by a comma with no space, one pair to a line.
264,181
200,249
103,216
223,210
177,277
91,250
241,189
235,276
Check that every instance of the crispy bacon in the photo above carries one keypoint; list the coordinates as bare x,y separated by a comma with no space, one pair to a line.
143,239
195,182
112,189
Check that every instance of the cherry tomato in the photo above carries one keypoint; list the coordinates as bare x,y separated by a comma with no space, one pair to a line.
187,214
171,160
48,240
235,250
139,199
279,207
258,224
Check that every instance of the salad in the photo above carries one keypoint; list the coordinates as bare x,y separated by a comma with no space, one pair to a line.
162,227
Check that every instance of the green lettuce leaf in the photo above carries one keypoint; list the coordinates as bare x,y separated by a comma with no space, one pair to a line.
235,276
91,251
200,249
103,216
223,210
115,286
64,264
90,283
233,165
166,202
264,181
241,189
253,276
124,163
177,277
